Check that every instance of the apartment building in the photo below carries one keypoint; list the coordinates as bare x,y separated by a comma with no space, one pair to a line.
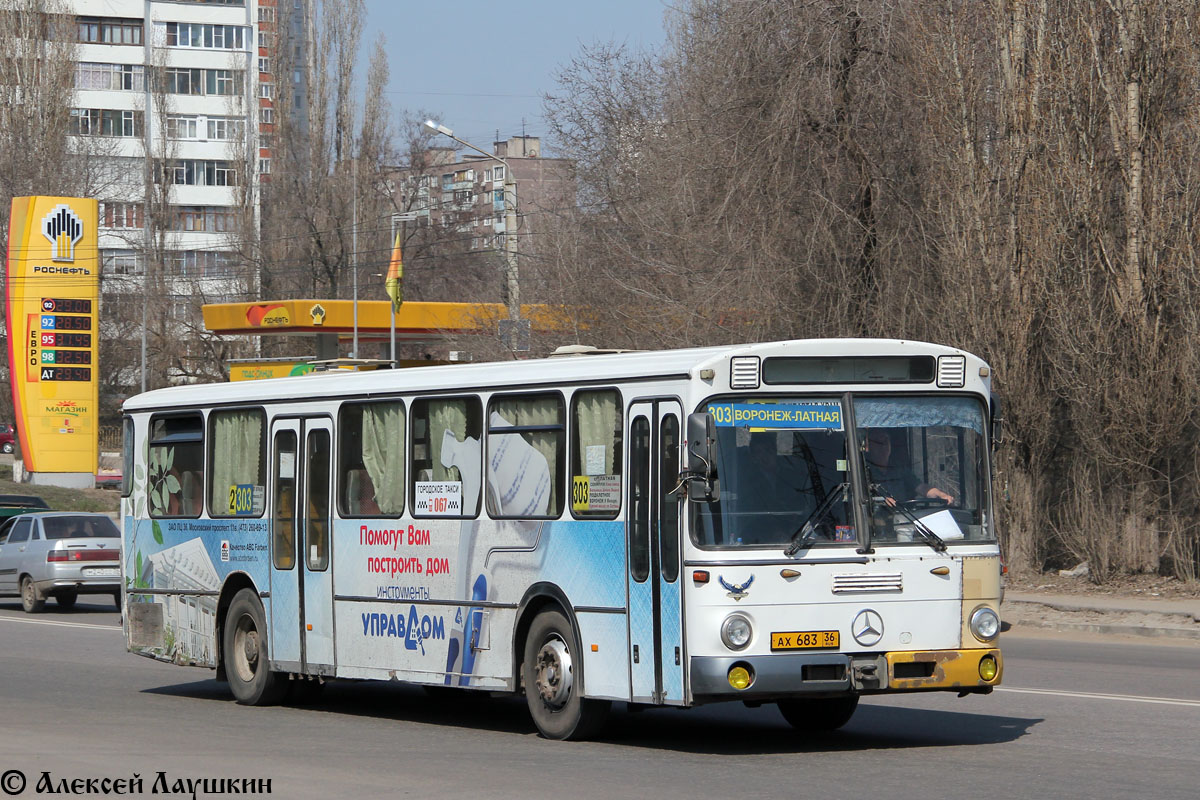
173,103
464,194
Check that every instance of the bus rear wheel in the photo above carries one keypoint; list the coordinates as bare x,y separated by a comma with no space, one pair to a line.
552,686
819,715
244,649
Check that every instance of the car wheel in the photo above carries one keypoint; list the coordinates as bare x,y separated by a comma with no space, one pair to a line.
67,600
7,447
552,686
819,715
31,599
245,653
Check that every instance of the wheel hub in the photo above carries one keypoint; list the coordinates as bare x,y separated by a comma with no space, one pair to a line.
553,673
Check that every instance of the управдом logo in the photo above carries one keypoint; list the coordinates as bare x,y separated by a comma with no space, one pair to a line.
64,229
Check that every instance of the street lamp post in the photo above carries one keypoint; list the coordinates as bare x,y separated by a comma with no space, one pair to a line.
512,282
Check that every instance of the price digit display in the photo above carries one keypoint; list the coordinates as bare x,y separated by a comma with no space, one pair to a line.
49,339
66,373
66,305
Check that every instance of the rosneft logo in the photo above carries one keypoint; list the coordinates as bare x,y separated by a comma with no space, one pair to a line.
64,229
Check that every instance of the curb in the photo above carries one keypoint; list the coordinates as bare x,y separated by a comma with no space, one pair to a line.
1184,631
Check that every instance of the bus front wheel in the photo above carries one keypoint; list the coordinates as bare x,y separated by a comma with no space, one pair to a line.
818,715
245,653
552,687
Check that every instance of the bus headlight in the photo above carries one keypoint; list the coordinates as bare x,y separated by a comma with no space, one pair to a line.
736,632
985,624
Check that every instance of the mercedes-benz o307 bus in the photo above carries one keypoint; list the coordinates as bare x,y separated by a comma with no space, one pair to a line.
799,523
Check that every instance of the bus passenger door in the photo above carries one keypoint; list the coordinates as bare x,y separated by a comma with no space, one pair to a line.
317,538
301,533
653,535
284,608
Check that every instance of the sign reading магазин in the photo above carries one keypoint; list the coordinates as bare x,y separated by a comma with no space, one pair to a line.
52,304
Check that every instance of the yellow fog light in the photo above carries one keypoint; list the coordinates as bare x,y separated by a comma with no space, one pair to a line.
987,668
740,677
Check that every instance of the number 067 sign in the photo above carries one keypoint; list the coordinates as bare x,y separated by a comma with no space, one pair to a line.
438,499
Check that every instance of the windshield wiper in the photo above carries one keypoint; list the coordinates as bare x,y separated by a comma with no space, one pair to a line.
935,541
806,532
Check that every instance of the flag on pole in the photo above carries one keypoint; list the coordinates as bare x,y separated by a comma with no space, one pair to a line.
395,274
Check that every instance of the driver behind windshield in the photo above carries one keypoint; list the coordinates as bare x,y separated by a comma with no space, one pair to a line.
896,483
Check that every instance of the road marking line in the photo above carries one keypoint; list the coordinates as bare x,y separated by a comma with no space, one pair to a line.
62,624
1128,698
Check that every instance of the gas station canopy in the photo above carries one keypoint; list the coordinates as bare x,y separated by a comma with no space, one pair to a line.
414,321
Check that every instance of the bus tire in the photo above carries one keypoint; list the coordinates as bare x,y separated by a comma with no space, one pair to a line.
552,689
245,653
818,715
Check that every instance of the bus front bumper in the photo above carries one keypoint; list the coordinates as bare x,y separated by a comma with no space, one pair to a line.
781,675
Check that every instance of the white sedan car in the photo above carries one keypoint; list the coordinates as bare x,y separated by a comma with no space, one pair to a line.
59,554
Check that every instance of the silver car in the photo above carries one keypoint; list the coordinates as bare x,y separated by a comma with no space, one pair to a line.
60,555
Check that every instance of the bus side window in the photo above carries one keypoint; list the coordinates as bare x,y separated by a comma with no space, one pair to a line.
525,456
371,459
596,445
176,466
447,456
237,455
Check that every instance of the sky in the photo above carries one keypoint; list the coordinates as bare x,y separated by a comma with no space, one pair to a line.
482,67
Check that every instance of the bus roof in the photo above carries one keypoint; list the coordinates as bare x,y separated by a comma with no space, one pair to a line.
614,367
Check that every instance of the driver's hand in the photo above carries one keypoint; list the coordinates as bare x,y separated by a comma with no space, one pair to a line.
891,501
940,495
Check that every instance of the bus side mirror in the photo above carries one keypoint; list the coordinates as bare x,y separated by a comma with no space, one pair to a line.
997,421
701,475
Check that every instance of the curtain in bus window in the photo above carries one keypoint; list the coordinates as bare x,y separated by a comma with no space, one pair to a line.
383,453
236,460
446,415
522,490
596,421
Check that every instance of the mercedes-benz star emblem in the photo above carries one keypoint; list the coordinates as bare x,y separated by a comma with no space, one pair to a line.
867,627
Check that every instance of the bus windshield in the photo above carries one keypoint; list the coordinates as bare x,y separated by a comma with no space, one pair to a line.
779,462
924,458
783,475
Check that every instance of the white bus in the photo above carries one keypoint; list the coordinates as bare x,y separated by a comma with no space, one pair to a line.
799,523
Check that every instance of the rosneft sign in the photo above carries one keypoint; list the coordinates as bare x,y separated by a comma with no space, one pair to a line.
52,304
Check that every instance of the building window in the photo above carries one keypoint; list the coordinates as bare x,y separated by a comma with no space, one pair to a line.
264,166
121,262
211,219
200,263
226,129
121,215
200,173
498,174
211,37
105,122
181,127
101,30
223,82
266,39
266,116
110,77
266,90
266,14
264,64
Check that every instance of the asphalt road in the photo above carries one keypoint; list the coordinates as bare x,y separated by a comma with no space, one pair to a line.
1077,718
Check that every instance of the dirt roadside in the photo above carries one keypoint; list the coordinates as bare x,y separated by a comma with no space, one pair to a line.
1142,606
